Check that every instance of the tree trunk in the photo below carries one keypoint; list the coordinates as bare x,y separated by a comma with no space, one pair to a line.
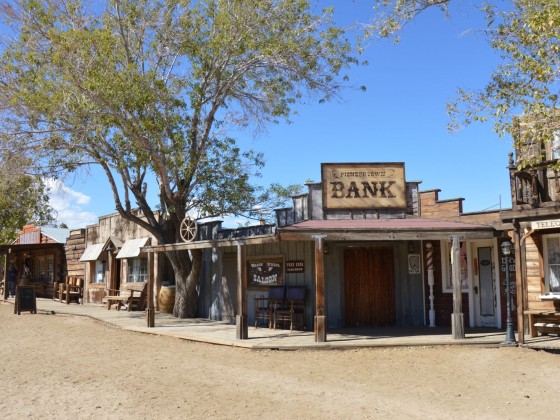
186,266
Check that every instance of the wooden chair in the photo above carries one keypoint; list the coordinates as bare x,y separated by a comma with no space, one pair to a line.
264,306
72,290
293,309
131,296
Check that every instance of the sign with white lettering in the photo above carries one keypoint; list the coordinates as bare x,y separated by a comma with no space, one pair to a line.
265,271
363,185
545,224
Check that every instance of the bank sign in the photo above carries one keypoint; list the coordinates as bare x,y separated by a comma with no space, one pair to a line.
363,185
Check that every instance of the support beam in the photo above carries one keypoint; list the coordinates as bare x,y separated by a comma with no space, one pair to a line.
320,321
150,310
242,330
518,245
457,321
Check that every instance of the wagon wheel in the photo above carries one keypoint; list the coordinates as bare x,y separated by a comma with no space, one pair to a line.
188,229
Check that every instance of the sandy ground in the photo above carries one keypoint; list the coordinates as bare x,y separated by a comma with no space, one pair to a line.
60,367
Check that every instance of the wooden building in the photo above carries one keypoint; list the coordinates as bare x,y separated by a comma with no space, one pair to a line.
535,218
112,256
370,250
38,254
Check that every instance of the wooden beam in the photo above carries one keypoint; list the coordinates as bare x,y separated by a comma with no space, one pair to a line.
320,321
384,236
150,311
457,320
242,330
217,243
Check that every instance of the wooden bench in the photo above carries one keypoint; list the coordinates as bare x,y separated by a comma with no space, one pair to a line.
544,321
131,296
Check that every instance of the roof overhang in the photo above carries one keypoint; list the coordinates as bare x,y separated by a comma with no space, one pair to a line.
92,252
217,243
14,248
132,248
384,230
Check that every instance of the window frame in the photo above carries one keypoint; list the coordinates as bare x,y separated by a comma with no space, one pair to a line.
137,264
546,257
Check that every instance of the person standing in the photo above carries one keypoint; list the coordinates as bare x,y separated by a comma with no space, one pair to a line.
12,278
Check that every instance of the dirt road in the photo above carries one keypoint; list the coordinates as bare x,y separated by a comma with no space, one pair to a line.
68,367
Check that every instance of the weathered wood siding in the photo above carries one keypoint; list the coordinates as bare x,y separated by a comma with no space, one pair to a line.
75,247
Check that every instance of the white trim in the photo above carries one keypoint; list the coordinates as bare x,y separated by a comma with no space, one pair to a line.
546,270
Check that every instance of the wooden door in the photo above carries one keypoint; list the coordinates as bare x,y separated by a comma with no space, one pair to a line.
369,286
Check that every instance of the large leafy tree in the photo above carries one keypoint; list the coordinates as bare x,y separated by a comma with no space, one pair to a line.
23,198
149,90
526,35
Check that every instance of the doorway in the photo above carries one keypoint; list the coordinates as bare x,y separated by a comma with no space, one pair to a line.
484,286
369,286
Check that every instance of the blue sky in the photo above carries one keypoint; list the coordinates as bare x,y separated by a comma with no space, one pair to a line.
400,118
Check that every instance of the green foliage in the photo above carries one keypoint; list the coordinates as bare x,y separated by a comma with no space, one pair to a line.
521,96
150,90
23,200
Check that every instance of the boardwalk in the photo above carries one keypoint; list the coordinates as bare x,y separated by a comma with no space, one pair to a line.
216,332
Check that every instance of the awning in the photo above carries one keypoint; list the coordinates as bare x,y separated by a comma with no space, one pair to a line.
131,248
92,252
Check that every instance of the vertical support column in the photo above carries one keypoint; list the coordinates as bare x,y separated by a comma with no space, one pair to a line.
320,321
457,321
430,266
150,311
519,281
242,330
5,279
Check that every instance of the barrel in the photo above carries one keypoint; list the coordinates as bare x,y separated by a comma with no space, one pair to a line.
166,299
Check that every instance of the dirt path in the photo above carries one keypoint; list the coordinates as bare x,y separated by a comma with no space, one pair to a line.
69,367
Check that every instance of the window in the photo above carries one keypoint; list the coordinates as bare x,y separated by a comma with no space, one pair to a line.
448,273
100,268
555,145
44,269
552,264
138,270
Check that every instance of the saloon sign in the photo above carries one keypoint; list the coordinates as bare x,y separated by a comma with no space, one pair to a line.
363,185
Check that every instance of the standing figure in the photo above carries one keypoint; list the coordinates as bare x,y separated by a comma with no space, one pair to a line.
12,278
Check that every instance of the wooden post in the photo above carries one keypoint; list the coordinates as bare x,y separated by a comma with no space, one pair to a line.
430,266
242,330
5,276
320,322
519,283
457,321
150,311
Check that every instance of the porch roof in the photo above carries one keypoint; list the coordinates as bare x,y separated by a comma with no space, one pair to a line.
132,248
385,229
92,252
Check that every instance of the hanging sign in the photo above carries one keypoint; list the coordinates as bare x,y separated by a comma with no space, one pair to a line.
363,185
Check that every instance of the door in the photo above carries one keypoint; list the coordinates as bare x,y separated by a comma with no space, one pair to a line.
484,288
369,286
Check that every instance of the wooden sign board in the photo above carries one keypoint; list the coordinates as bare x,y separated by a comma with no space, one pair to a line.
295,266
265,271
25,300
361,186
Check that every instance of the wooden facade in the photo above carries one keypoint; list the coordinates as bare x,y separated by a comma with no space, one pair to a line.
112,257
376,266
535,218
39,255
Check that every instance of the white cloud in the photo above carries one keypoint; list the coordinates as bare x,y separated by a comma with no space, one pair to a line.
69,204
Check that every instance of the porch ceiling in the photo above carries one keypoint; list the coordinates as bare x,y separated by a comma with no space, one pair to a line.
384,229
